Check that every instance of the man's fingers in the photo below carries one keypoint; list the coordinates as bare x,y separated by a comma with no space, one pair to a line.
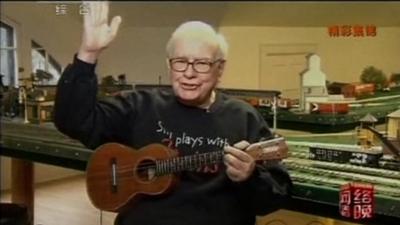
241,155
115,22
234,174
232,161
239,163
88,17
93,14
229,160
242,144
103,12
94,8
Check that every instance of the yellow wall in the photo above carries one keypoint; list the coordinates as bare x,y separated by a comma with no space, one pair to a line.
393,127
342,59
54,33
139,51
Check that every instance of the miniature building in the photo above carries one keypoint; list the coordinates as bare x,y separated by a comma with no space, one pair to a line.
366,137
393,125
39,111
313,84
39,105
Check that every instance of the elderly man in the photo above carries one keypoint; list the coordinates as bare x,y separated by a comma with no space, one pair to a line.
191,118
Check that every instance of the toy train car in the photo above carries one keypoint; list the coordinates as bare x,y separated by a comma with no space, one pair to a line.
265,102
346,154
358,90
282,103
331,108
255,101
352,90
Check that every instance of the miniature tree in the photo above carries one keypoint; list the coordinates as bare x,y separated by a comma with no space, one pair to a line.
373,75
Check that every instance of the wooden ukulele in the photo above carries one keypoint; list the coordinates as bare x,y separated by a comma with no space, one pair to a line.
117,175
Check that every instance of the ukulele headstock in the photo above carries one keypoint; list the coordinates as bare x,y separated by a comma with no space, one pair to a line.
273,149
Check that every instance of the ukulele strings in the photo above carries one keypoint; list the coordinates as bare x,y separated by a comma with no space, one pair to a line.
124,175
120,172
123,169
153,165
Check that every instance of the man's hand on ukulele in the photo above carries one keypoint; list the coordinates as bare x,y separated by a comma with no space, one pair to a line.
239,164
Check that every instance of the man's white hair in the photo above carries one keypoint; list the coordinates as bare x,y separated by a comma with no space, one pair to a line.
198,30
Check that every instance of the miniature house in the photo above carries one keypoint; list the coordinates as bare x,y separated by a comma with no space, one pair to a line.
393,125
313,84
366,137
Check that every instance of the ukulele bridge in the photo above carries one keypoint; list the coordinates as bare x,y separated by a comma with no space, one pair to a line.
114,186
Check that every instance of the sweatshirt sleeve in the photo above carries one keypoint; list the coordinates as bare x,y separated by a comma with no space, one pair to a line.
268,188
78,113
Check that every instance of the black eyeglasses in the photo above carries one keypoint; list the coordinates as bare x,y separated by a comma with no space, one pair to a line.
199,65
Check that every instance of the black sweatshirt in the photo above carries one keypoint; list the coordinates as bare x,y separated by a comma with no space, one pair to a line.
138,118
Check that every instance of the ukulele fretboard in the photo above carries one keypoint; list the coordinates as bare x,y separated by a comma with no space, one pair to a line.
187,163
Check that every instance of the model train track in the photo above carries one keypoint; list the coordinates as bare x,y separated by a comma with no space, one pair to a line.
344,168
337,183
390,182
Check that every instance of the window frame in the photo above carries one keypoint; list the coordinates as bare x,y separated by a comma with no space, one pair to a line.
48,58
13,82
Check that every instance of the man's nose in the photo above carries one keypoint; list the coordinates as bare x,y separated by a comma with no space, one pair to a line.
189,72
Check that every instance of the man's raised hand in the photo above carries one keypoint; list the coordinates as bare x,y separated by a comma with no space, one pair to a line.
97,33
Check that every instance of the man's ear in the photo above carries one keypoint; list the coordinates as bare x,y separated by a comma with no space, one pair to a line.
221,68
167,62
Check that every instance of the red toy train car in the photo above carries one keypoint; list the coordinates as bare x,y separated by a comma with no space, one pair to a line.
358,90
331,108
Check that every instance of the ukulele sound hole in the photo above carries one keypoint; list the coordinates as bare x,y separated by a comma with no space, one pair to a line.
146,170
